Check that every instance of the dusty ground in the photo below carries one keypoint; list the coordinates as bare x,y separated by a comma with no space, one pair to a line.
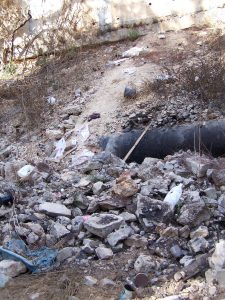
103,89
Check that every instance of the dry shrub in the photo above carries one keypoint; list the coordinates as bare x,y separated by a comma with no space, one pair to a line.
202,77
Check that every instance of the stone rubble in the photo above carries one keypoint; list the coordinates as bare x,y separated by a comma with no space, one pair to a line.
104,207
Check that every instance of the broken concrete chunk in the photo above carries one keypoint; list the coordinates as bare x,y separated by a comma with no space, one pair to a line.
119,235
54,209
128,217
150,212
194,212
104,253
97,188
12,268
201,231
198,244
103,224
218,177
198,165
58,230
25,171
136,240
144,264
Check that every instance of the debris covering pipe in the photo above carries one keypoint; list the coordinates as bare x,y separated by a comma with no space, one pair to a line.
207,137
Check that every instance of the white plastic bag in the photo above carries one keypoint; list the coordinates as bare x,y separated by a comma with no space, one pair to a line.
173,197
60,148
83,132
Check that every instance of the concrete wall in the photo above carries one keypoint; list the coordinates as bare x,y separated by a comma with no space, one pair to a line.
106,14
110,18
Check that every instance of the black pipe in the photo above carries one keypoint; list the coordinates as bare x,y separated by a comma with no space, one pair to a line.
207,137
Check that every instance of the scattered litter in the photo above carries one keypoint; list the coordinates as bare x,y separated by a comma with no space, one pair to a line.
83,132
94,116
51,100
25,171
6,199
60,148
40,259
82,157
173,197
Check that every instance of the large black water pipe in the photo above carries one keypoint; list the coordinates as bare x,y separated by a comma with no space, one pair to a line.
208,137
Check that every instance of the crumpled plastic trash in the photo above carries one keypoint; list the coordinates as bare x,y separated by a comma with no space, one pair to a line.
82,157
173,197
83,132
60,148
35,260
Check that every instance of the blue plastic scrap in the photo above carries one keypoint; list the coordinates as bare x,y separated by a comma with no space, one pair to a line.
40,259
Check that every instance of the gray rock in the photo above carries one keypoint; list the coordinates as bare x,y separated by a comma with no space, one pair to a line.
217,261
186,260
211,193
98,187
198,244
12,268
32,238
148,168
65,253
54,209
103,224
104,253
221,204
194,212
119,235
128,217
4,279
218,177
156,185
130,92
35,227
144,264
58,230
201,231
198,165
150,212
77,224
176,251
136,241
90,281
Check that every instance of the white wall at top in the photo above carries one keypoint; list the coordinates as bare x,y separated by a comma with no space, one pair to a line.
117,12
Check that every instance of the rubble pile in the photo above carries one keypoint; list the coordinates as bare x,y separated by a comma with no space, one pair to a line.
171,210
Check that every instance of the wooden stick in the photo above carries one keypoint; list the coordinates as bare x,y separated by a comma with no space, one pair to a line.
137,142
